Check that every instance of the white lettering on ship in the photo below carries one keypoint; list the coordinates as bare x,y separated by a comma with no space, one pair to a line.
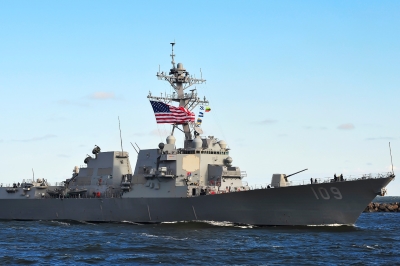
324,194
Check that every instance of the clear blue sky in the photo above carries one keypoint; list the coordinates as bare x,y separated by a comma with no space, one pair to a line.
291,84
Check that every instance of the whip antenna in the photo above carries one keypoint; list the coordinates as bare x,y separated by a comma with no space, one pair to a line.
120,136
391,159
134,148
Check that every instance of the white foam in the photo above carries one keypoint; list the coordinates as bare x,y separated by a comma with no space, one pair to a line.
174,238
130,222
214,223
165,237
62,223
84,222
225,224
148,235
330,225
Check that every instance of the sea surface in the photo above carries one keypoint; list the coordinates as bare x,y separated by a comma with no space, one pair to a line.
373,240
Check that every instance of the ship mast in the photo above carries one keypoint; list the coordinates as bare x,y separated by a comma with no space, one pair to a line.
180,80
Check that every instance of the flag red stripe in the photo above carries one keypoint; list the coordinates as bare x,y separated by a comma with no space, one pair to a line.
178,115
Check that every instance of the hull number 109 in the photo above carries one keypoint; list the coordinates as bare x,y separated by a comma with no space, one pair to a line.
323,193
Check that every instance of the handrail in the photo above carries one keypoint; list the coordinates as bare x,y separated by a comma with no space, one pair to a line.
323,180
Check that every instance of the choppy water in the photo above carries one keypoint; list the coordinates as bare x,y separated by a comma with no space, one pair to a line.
374,240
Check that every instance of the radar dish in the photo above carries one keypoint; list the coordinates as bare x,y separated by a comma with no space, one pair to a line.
198,130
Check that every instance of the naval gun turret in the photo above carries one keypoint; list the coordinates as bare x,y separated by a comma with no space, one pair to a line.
281,180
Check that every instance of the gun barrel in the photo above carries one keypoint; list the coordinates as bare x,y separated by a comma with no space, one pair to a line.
296,172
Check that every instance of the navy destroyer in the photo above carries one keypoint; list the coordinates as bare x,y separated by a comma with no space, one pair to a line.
194,182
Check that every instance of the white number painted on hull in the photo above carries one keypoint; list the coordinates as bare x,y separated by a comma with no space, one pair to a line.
336,193
324,194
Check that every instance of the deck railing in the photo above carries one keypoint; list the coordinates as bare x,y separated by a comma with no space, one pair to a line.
323,180
244,186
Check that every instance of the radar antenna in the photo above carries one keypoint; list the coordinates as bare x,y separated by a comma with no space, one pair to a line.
120,136
180,80
172,55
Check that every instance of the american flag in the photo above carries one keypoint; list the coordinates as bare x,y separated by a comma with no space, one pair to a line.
168,114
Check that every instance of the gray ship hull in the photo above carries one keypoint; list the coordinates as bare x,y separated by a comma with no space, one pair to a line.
316,204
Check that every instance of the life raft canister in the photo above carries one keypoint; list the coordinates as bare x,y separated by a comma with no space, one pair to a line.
98,194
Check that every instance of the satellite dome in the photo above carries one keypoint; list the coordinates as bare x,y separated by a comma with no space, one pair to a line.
161,146
96,149
197,143
86,161
222,144
180,66
171,140
228,161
